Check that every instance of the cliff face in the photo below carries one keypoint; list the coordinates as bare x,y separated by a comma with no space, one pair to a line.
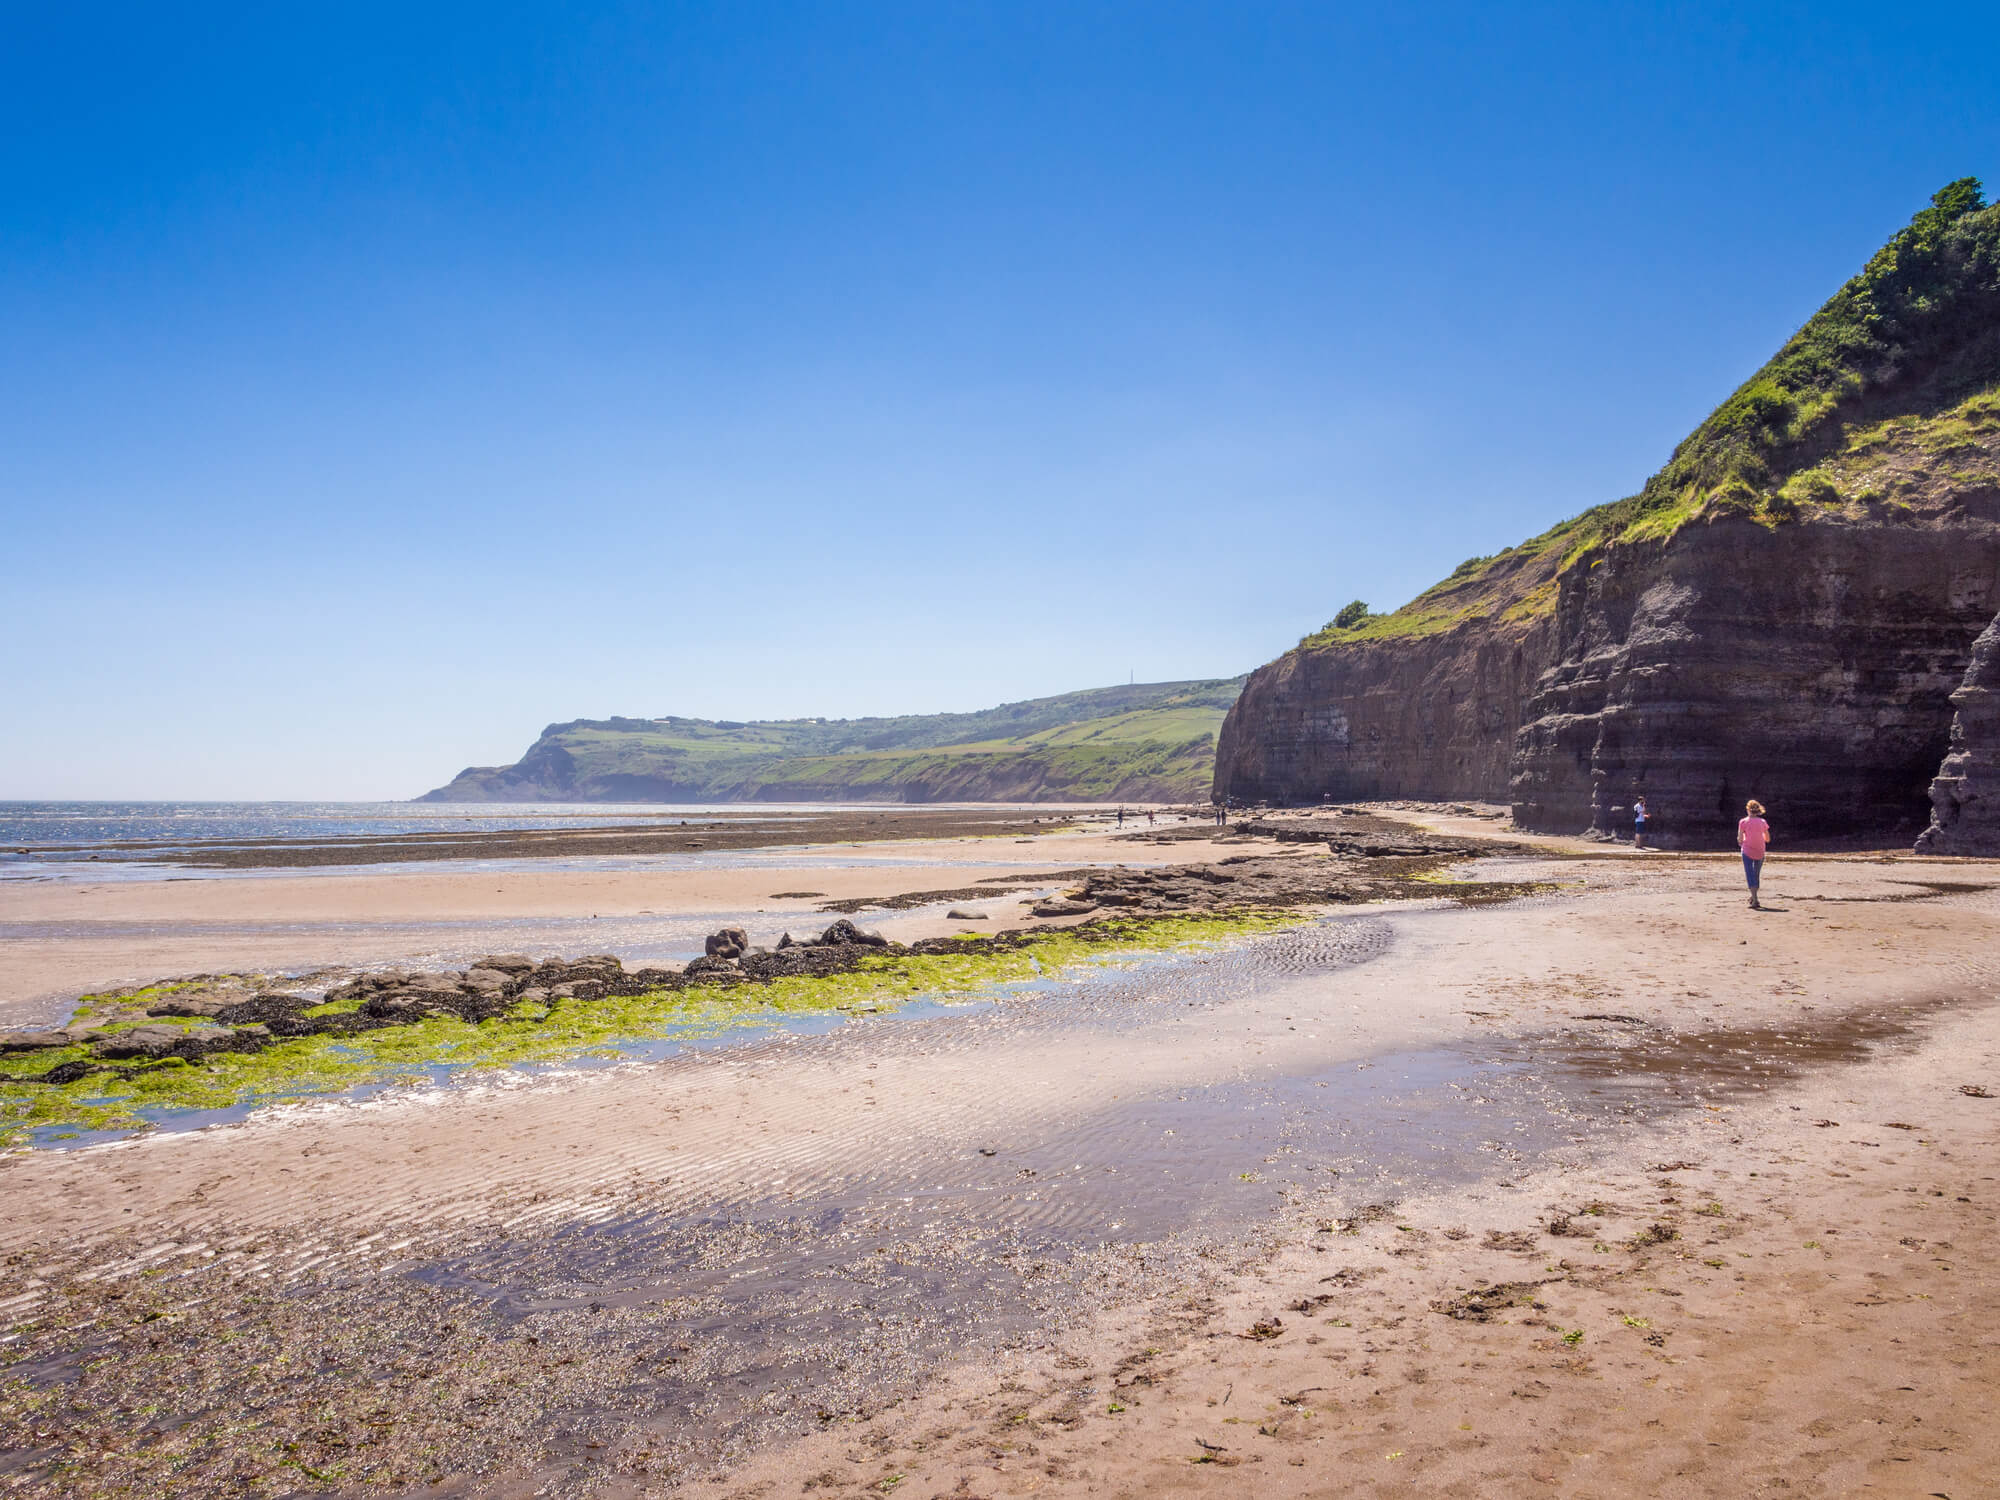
1810,667
1965,796
1433,716
1783,612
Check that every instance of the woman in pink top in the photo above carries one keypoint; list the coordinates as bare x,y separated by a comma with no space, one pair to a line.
1753,836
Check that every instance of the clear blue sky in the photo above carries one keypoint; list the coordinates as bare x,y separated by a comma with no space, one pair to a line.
381,382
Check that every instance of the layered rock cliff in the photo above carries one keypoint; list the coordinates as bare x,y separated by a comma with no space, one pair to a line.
1430,715
1809,666
1783,612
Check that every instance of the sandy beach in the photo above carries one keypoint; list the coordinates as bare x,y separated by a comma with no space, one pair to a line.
1617,1188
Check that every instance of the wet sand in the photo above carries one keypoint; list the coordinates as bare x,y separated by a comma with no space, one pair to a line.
945,1247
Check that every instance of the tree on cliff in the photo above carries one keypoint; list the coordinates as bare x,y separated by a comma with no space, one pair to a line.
1351,615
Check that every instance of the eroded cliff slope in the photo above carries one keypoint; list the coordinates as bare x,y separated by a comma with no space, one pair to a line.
1783,612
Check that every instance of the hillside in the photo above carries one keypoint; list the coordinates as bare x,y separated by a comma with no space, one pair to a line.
1783,610
1142,742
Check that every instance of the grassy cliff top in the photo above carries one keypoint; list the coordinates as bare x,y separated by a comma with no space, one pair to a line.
1033,718
1889,387
1083,745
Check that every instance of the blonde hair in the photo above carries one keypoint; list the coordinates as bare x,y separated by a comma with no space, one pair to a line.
1754,808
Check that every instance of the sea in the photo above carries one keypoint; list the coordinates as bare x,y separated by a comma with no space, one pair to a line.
113,840
171,824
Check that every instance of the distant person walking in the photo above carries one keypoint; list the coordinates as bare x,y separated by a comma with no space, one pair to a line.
1121,817
1638,822
1753,837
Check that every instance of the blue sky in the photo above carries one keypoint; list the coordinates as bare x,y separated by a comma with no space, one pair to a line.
381,382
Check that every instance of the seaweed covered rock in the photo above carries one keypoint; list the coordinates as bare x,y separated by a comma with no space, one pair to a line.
188,1043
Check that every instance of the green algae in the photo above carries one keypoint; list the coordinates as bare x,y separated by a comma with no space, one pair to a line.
300,1067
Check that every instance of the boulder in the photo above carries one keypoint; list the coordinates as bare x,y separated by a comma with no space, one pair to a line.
730,942
487,981
960,914
844,933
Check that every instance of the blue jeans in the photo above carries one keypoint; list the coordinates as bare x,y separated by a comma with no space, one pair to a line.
1752,868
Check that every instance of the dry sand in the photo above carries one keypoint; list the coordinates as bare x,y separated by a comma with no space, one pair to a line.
1844,1341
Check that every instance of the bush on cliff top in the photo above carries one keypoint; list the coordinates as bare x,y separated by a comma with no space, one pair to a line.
1924,312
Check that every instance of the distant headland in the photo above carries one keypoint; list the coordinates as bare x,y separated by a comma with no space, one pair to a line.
1141,742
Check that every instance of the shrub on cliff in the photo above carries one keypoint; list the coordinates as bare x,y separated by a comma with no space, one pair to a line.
1925,310
1898,372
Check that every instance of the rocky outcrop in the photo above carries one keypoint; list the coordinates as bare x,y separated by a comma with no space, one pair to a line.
1965,794
1810,666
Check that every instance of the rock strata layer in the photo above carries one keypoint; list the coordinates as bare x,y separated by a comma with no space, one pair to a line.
1809,666
1428,717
